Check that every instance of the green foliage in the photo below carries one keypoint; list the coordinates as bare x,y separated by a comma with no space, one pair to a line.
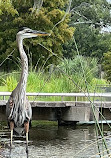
67,77
107,65
96,85
80,66
7,7
99,82
48,16
35,82
10,83
94,45
44,124
94,10
87,35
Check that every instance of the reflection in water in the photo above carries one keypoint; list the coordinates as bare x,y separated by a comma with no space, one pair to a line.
53,142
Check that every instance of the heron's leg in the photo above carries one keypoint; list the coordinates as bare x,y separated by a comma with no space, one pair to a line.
26,126
11,128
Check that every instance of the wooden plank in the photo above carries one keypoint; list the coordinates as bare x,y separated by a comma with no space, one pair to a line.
47,104
61,104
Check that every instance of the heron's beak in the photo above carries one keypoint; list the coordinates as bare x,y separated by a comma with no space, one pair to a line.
39,33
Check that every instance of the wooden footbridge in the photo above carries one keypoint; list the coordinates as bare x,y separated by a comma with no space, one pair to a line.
78,109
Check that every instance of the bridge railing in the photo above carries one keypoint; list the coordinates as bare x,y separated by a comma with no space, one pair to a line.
4,95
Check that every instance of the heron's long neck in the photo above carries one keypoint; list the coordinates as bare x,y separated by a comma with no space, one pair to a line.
23,80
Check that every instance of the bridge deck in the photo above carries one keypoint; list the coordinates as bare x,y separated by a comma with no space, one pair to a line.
64,110
55,104
62,103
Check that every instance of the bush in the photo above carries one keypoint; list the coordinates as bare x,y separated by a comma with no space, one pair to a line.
85,67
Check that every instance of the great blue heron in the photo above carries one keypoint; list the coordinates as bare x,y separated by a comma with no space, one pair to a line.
18,108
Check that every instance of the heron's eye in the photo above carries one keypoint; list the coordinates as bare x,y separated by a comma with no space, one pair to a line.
29,31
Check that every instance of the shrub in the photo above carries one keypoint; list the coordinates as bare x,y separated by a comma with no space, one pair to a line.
85,67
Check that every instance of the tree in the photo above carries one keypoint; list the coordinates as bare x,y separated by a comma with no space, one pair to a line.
107,65
96,12
6,6
89,42
88,17
50,13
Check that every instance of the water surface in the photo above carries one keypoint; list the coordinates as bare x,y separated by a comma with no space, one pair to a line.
55,142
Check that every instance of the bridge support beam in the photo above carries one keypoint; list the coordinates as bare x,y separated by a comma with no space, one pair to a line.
64,114
2,113
79,114
76,114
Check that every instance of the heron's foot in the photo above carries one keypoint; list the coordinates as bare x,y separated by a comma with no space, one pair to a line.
27,151
12,146
27,143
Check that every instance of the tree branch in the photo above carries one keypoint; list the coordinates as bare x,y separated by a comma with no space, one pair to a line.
37,5
67,12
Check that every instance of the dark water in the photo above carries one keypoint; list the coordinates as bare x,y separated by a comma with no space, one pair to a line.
55,142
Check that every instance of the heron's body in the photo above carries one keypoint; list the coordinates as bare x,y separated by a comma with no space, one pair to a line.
18,108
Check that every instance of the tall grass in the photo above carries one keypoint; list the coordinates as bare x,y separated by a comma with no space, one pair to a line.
66,77
44,82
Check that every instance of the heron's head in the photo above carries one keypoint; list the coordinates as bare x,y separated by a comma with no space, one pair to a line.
29,33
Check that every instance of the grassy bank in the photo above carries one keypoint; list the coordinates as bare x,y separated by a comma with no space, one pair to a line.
41,123
44,82
51,83
71,75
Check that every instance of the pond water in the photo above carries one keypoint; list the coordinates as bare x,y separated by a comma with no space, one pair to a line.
55,142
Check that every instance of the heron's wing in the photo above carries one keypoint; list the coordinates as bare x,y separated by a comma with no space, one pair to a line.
28,109
37,5
9,106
